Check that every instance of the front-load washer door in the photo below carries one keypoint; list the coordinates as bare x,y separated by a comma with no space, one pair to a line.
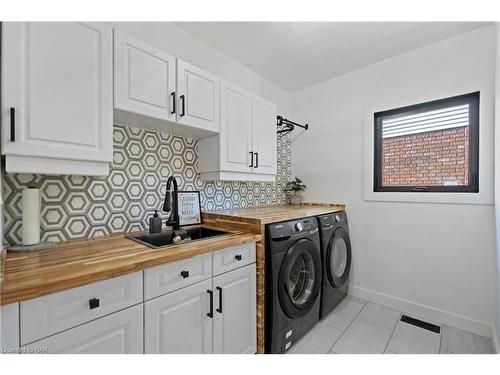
300,278
338,258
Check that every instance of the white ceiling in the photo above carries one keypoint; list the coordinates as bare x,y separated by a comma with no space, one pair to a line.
295,55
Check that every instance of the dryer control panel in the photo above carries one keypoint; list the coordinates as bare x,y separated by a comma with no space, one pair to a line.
330,219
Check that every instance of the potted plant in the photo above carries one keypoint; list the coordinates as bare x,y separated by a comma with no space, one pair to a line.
293,189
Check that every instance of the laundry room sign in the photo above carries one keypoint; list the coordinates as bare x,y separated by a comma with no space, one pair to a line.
189,205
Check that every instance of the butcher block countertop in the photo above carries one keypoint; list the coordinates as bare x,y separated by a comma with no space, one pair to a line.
70,264
274,214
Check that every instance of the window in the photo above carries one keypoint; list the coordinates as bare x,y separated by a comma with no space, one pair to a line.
428,147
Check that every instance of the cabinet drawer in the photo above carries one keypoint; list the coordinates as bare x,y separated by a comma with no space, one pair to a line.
172,276
44,316
118,333
233,257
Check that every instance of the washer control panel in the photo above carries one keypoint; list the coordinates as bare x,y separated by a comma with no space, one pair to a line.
286,229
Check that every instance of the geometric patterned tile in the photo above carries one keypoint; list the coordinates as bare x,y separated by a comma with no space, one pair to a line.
99,214
81,206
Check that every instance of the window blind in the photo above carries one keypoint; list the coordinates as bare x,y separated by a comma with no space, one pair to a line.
428,121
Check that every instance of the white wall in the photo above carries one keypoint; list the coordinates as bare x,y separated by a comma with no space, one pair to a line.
497,181
435,260
168,37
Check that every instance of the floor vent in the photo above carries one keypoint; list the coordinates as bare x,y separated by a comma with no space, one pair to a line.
421,323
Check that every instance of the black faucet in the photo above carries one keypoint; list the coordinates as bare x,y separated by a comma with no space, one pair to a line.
168,205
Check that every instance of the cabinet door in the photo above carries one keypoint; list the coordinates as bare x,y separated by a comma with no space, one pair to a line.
118,333
144,78
264,135
178,323
57,76
198,97
9,328
236,129
235,316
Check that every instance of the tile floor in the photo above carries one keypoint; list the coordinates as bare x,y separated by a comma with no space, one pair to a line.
360,327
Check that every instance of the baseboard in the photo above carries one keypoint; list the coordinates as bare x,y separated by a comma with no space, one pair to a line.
495,338
425,312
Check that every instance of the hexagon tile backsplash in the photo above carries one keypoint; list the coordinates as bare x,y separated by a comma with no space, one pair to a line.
76,206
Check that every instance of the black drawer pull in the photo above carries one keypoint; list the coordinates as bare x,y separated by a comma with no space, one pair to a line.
183,107
94,303
12,124
173,102
211,313
237,257
219,310
185,274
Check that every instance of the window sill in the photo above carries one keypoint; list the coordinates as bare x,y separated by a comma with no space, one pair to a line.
449,198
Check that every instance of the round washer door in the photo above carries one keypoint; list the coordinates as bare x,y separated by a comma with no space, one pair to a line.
300,278
338,258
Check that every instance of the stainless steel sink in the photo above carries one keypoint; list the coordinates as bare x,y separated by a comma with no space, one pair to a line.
166,238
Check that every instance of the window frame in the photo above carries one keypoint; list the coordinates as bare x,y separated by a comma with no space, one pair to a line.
472,99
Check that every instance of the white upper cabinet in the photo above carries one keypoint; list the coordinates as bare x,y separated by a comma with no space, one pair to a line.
245,149
264,135
236,129
155,90
144,78
57,97
198,97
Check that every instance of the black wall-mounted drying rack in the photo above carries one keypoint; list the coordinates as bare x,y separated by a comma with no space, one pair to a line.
288,126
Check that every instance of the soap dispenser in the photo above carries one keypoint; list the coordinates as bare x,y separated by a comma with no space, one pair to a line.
155,223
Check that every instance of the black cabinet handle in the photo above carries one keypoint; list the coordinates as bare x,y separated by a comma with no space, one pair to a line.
219,310
237,257
211,313
185,274
256,160
173,103
94,303
12,124
251,159
183,107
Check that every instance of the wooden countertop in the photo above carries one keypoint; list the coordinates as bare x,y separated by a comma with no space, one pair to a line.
274,214
74,263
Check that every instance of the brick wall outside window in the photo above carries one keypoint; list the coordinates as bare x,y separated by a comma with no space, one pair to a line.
427,159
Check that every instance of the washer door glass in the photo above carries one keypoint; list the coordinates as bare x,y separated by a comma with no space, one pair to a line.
301,278
338,259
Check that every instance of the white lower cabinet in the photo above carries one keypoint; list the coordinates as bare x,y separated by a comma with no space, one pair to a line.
43,316
118,333
213,316
178,322
212,311
235,319
9,328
